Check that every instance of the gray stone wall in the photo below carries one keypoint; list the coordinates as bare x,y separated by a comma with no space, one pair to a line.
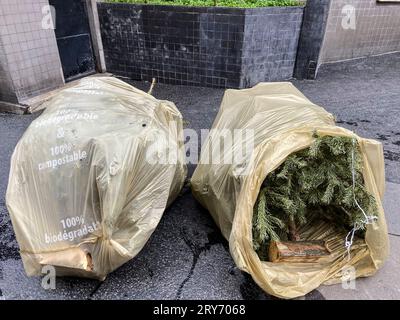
7,92
377,30
29,59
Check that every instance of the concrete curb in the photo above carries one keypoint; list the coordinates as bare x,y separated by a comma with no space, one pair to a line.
13,108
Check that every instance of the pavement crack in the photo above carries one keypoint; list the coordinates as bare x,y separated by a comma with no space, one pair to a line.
95,289
189,275
314,295
393,234
196,250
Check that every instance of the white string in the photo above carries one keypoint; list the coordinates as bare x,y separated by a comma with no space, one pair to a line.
348,243
368,218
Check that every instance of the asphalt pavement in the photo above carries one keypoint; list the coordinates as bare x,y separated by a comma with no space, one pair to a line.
186,257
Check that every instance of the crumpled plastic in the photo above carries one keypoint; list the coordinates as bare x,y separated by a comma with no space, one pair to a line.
89,180
282,120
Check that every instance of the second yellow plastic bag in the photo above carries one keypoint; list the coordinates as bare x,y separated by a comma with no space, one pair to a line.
283,121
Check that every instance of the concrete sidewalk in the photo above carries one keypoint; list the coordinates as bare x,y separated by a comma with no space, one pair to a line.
187,258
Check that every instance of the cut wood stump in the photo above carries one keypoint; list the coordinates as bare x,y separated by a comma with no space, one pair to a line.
298,251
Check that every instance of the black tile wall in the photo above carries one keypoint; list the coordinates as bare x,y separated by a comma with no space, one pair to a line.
270,44
312,34
199,46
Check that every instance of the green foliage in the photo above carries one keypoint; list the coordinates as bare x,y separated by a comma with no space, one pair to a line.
314,182
219,3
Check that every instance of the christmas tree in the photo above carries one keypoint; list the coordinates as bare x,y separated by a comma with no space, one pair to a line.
323,181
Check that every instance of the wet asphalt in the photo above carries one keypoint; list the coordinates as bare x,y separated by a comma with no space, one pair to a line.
186,257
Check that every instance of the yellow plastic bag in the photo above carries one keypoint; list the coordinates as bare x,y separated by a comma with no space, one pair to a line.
86,190
283,121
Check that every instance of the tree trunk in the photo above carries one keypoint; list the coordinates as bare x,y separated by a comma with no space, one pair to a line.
293,233
299,251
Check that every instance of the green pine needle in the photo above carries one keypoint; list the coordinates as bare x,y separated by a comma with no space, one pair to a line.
314,182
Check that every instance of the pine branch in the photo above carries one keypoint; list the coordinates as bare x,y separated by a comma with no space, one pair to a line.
316,181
